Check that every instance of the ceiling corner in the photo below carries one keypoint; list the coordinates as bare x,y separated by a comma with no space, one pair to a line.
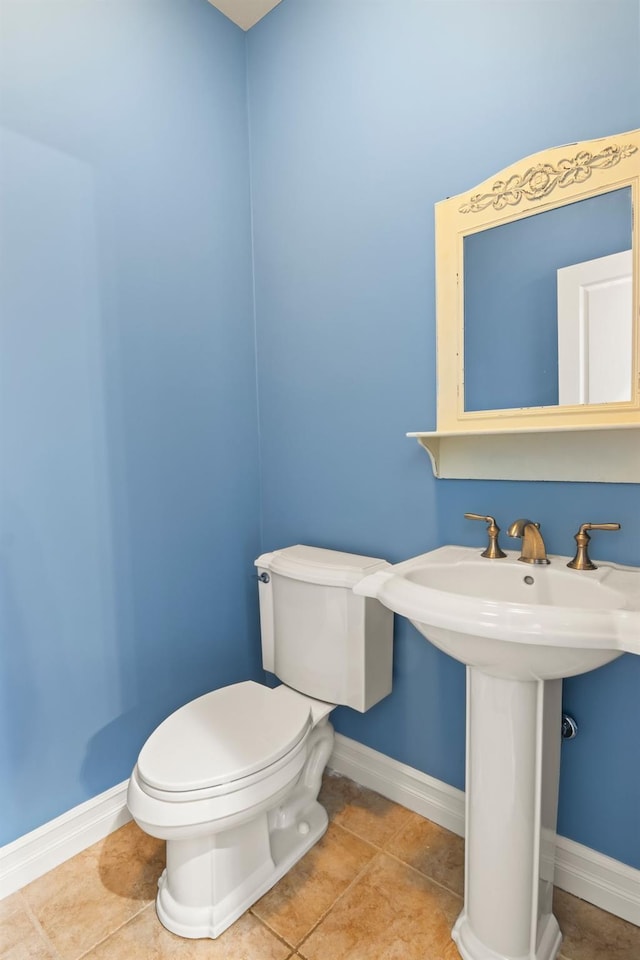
245,13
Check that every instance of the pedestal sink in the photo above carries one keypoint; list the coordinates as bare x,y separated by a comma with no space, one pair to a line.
519,629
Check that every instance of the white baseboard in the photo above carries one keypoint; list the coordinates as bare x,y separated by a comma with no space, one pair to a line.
592,876
607,883
34,854
419,792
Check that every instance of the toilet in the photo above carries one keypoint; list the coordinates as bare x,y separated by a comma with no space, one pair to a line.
231,780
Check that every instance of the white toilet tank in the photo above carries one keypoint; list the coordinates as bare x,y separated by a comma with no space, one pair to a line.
318,637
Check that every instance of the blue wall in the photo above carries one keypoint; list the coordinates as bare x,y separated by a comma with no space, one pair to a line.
364,113
129,450
128,427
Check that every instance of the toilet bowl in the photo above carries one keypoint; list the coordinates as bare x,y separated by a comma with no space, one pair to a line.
236,811
231,779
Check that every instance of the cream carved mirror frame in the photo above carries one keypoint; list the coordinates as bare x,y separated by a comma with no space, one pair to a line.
597,442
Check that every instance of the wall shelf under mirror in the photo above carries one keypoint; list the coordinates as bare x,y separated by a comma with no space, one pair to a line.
605,454
538,329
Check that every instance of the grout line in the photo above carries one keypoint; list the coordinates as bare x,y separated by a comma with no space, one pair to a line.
362,839
404,862
370,843
380,853
425,876
38,926
355,880
264,923
323,915
378,850
400,828
296,947
115,930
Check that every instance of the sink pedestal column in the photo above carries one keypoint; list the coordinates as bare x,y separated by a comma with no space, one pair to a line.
512,772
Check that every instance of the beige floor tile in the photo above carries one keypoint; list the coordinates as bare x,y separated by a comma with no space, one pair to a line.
308,890
144,938
432,850
391,912
360,810
20,938
592,934
350,900
9,906
82,901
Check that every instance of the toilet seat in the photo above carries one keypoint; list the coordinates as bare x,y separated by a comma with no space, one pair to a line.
246,728
224,741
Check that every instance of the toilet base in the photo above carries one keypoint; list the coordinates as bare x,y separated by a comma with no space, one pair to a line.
211,881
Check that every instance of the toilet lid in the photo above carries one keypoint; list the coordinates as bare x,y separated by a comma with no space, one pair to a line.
223,736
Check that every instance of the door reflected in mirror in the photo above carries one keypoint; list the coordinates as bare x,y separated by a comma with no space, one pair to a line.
548,307
595,330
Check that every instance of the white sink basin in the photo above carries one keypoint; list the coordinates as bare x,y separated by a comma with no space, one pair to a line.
512,619
519,628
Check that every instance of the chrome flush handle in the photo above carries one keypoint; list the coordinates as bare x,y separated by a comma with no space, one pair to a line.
493,551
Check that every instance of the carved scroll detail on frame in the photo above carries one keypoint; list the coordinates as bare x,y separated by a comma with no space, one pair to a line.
540,180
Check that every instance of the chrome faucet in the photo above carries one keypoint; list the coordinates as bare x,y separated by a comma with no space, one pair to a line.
533,548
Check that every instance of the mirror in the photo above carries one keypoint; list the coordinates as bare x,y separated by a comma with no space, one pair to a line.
511,321
537,292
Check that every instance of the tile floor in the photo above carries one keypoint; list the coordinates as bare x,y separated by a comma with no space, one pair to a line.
382,884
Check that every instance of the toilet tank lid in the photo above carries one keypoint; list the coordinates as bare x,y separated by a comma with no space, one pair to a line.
330,568
223,736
